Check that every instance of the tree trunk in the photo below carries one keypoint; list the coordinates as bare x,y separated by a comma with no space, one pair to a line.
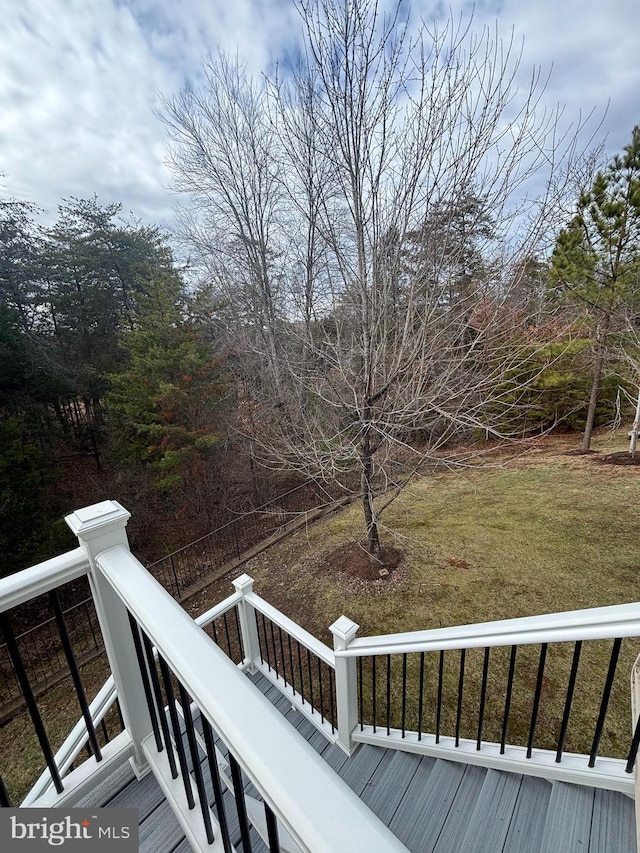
366,458
601,346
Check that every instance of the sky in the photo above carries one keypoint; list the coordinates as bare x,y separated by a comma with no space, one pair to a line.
81,80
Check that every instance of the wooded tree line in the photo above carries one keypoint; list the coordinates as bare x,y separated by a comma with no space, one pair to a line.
393,250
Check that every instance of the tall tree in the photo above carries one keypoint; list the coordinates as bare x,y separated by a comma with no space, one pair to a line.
404,144
96,268
163,405
596,260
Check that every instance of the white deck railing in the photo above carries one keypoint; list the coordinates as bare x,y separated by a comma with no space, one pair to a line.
602,623
311,804
314,808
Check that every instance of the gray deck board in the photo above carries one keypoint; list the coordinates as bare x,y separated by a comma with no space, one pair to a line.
432,805
497,798
455,826
568,825
613,823
529,816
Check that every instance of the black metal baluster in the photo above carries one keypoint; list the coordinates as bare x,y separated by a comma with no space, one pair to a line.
439,699
567,704
29,698
75,674
273,646
536,698
272,830
293,677
320,690
195,761
103,726
262,657
420,696
463,654
226,633
241,808
388,694
300,671
613,662
507,701
135,633
5,801
633,751
310,680
284,668
332,706
360,693
157,692
91,613
404,692
373,690
266,641
483,696
175,576
238,634
214,632
217,786
177,735
119,712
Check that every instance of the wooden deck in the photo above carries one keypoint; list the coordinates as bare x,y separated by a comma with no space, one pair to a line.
431,805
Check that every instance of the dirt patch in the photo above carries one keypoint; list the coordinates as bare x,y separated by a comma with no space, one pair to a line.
353,560
622,457
456,563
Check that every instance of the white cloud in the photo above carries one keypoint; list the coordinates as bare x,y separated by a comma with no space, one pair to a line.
79,80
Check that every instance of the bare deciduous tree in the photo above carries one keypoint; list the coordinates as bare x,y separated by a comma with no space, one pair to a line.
410,159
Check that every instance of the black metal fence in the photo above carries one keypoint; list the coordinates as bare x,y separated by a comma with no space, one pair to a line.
185,567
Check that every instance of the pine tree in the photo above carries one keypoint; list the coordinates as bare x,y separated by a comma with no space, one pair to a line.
596,257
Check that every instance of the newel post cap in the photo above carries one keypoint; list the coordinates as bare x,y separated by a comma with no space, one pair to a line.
98,519
343,630
243,584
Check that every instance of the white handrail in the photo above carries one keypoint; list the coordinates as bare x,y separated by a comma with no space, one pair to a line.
296,631
319,811
218,610
598,623
43,577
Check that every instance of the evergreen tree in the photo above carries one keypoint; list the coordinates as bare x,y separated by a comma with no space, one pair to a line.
596,259
162,405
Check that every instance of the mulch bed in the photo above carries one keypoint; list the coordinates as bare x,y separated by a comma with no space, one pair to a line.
622,457
353,560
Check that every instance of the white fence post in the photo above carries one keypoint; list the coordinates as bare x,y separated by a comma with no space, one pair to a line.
99,528
344,630
248,623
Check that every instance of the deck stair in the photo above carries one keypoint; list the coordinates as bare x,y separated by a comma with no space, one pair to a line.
439,806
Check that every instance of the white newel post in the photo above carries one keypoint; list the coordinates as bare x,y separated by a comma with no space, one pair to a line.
99,528
248,623
344,630
635,712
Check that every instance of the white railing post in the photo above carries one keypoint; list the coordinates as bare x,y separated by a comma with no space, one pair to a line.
248,623
344,631
635,712
99,528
